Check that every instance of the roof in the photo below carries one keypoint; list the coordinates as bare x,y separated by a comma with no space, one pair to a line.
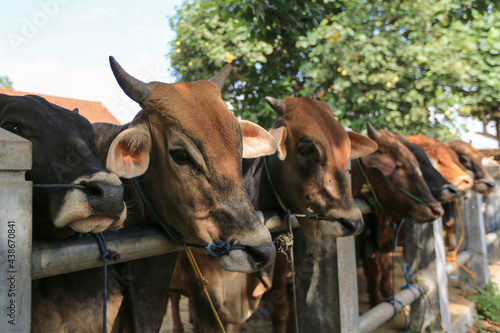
93,111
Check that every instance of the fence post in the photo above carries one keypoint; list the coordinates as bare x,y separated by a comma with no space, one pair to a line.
327,290
424,249
475,236
492,213
15,234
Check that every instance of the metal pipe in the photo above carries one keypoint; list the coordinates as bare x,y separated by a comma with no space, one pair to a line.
378,315
54,257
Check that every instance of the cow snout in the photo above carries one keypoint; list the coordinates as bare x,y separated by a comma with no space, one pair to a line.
104,198
436,210
261,255
464,183
446,193
484,185
256,253
341,227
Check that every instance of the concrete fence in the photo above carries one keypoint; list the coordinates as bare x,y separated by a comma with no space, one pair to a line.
328,296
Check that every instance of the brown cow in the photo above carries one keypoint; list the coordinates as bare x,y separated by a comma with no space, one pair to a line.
445,161
309,171
393,161
472,159
186,147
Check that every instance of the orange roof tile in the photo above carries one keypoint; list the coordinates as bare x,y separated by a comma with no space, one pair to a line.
93,111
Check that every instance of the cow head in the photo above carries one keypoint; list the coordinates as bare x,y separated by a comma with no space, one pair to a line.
472,159
62,143
394,161
310,172
445,160
440,188
189,148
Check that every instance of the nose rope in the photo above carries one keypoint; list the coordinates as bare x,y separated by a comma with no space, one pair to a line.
54,186
105,255
217,250
285,240
368,187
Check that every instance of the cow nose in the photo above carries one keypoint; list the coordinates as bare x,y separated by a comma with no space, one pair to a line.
452,189
261,255
105,199
465,183
490,183
352,227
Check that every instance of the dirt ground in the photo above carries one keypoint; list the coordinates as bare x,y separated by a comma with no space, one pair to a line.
458,304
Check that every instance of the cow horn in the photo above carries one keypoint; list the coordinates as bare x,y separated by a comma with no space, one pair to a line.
278,105
220,78
372,132
135,89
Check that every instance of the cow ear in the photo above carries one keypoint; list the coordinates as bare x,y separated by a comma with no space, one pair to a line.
256,140
361,145
382,162
279,134
128,155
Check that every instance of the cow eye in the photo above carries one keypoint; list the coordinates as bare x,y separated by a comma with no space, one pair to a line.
13,128
180,156
306,150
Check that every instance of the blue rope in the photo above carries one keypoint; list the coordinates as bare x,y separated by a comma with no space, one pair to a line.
216,250
408,285
105,255
222,248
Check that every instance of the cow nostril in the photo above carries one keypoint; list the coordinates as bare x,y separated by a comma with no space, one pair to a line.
451,189
490,183
94,189
261,255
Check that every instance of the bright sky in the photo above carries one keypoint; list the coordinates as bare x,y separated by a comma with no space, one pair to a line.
61,48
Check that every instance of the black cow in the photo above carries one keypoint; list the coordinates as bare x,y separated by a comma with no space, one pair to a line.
441,189
62,143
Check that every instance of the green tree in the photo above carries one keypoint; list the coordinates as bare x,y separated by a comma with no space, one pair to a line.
397,64
5,82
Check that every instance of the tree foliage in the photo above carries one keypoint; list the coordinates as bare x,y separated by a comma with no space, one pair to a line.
411,66
5,81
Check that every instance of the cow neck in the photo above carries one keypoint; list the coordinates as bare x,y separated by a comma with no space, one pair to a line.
216,250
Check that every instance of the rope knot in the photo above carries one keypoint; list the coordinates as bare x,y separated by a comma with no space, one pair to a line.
367,188
113,255
311,214
202,282
221,248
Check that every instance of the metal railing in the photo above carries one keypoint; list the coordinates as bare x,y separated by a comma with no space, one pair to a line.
20,261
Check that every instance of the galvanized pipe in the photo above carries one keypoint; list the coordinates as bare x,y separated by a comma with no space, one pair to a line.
54,257
378,315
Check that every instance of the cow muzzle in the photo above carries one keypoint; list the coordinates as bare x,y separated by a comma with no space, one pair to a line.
484,186
333,224
250,255
95,208
446,193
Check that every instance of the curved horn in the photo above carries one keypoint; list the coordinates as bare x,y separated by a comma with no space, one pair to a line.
221,77
135,89
278,105
372,132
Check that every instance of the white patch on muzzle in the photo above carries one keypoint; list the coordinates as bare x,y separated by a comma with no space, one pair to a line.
76,212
